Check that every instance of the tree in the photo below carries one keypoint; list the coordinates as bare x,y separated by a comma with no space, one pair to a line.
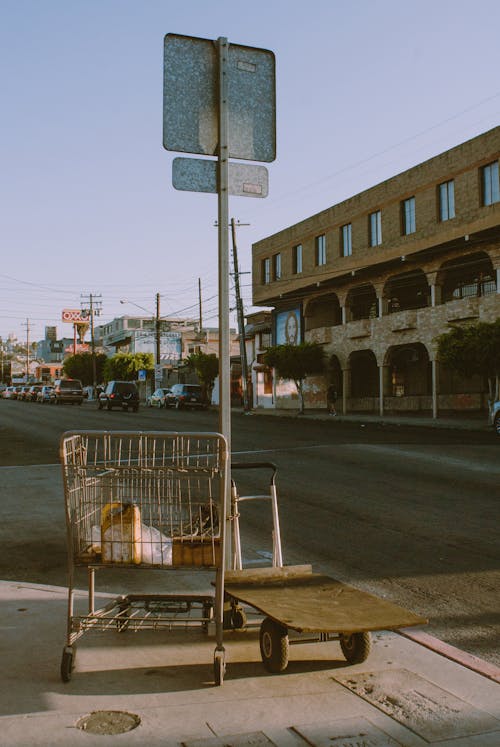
474,349
80,366
124,366
207,369
296,362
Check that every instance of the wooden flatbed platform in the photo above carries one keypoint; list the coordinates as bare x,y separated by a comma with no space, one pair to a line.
295,598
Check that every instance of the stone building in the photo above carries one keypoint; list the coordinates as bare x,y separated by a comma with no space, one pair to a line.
376,278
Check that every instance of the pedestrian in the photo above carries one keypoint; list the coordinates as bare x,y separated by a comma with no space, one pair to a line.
331,400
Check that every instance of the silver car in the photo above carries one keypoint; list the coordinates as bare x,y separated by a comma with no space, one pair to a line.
46,394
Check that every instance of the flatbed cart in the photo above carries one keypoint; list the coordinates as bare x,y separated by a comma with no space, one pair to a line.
293,598
145,500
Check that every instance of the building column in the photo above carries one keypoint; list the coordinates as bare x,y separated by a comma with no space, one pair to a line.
346,388
436,289
435,387
343,312
382,372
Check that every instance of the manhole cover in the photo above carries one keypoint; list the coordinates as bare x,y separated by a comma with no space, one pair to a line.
108,722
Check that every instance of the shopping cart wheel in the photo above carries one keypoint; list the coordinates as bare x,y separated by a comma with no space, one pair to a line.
67,663
355,646
238,617
274,645
219,667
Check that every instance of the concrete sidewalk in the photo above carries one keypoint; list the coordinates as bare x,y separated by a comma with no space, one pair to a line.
460,421
404,694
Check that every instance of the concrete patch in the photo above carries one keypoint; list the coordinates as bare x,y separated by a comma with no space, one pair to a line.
425,708
253,739
352,732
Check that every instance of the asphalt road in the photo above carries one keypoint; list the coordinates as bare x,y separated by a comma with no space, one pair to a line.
410,514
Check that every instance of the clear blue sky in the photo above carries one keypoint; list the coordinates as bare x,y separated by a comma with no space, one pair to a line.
365,89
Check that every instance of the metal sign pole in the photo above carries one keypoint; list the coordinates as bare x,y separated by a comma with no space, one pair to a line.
223,232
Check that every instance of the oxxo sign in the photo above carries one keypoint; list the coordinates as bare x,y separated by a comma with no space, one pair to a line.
74,316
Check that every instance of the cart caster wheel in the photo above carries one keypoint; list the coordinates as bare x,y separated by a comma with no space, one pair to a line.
227,619
274,645
355,646
207,616
238,618
219,667
67,663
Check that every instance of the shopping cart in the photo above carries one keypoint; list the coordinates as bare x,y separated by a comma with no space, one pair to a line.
140,500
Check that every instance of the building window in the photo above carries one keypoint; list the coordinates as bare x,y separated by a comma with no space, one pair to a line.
320,250
491,184
408,216
276,266
266,271
346,240
297,259
447,200
375,228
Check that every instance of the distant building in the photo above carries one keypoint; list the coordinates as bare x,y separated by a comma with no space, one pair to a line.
178,339
376,278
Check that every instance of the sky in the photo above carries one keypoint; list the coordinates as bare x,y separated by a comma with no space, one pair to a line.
364,90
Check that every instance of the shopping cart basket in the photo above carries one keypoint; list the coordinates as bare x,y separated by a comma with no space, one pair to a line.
141,500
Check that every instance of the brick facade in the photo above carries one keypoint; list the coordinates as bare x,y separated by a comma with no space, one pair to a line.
379,310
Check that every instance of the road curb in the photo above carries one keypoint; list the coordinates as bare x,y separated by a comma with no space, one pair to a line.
474,663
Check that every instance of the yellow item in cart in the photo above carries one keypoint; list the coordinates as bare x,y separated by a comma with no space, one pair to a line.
121,533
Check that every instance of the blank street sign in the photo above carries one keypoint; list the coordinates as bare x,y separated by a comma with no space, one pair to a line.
190,110
200,175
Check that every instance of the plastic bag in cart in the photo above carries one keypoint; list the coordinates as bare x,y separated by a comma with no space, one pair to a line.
152,547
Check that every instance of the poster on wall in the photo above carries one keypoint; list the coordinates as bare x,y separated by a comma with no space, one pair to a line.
288,327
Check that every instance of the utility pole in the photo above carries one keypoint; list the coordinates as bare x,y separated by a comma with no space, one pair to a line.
27,325
241,320
92,306
199,304
158,329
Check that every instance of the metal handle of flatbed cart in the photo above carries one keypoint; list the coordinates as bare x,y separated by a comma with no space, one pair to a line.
235,499
257,465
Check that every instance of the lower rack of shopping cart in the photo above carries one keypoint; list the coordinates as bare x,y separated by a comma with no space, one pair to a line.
136,612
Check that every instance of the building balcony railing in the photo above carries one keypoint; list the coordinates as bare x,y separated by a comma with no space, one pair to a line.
320,335
465,308
401,320
359,328
410,324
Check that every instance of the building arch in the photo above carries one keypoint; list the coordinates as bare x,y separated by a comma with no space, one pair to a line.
334,375
409,370
361,303
323,311
407,290
363,374
470,275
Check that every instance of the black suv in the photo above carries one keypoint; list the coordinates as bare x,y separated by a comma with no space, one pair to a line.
122,394
68,390
186,395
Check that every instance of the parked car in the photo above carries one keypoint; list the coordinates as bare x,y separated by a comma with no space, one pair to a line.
46,394
9,392
122,394
32,392
158,398
23,393
186,395
495,417
68,390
